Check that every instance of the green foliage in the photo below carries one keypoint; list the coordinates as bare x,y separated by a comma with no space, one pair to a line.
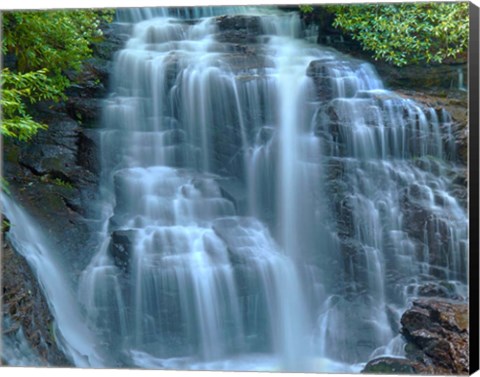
47,178
62,183
5,225
55,40
19,89
4,186
306,8
407,33
46,44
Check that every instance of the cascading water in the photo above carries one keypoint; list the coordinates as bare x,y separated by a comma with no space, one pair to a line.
267,205
198,282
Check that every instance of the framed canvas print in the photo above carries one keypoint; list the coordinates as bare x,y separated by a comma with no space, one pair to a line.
278,188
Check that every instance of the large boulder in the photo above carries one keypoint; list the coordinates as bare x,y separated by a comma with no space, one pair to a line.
437,335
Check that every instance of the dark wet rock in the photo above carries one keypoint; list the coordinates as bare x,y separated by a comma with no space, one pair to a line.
327,33
440,76
319,71
329,133
390,365
86,111
437,334
54,152
238,29
88,151
121,248
58,140
91,81
115,37
27,309
434,289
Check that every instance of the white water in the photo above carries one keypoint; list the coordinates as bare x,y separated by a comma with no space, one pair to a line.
254,218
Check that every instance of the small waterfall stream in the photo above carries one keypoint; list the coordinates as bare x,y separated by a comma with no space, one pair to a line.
74,337
267,204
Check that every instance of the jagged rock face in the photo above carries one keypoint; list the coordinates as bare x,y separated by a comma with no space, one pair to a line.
55,152
437,335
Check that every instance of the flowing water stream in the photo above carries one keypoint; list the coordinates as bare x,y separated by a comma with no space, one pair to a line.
266,205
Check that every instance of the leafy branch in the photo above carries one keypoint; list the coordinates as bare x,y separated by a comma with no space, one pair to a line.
46,44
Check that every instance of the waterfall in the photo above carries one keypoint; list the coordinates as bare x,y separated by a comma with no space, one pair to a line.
266,203
182,273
